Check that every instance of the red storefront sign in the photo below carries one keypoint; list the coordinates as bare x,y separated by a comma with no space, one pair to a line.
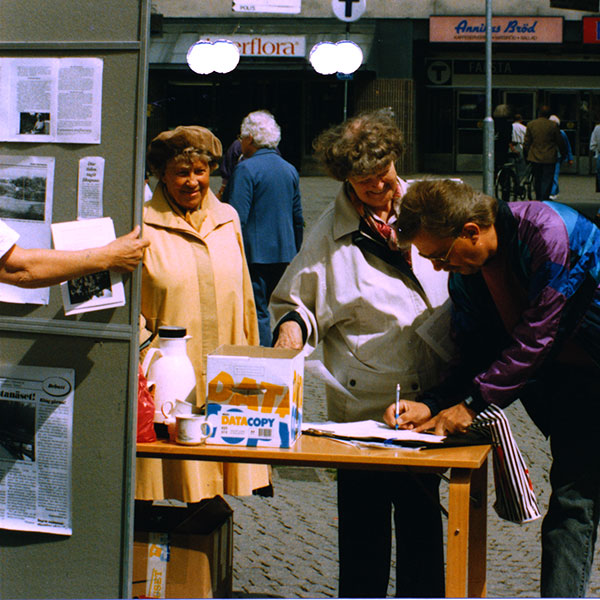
530,30
591,30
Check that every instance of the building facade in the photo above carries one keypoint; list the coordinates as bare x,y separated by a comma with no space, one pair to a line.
425,61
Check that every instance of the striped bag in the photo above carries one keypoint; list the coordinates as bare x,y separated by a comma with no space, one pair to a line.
515,498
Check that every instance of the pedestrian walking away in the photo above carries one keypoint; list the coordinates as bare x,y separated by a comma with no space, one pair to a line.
542,146
562,157
265,190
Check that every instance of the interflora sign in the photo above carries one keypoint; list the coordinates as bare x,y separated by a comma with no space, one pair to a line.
547,30
266,46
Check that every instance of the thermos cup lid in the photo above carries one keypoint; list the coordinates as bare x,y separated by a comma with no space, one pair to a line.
171,331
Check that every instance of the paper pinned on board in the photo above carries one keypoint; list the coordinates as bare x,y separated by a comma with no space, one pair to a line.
91,292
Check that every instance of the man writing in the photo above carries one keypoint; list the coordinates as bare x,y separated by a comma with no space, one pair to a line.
524,282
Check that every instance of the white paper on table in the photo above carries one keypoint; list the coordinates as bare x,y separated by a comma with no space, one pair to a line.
435,331
371,430
97,291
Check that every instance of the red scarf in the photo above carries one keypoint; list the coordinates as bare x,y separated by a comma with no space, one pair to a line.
387,232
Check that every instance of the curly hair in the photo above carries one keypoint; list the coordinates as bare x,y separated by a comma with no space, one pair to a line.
263,128
186,143
441,207
359,146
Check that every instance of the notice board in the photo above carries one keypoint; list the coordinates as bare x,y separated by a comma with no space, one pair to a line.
100,347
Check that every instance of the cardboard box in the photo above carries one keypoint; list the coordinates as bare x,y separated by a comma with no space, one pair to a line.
254,396
183,552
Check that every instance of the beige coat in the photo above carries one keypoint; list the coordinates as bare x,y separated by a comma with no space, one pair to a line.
365,312
198,280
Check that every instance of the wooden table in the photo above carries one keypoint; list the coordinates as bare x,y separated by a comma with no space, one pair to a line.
467,505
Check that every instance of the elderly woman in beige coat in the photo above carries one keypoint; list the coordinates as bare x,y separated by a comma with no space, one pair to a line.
354,289
195,276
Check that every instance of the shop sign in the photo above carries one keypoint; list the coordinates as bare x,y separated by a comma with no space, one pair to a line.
267,6
591,30
531,30
266,46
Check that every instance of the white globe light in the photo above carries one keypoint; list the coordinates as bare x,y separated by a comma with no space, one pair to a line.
349,57
200,57
323,58
226,55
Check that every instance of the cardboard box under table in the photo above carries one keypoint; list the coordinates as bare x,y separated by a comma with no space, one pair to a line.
183,552
254,396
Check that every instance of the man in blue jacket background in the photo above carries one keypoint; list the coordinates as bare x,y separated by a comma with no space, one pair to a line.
265,190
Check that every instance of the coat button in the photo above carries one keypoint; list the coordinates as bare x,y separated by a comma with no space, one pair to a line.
352,382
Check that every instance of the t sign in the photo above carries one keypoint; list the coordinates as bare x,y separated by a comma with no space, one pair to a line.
348,10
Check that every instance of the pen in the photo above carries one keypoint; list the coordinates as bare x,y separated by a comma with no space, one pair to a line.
397,404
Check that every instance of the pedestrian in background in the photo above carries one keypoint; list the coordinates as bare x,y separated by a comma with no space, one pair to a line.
566,157
230,159
595,148
542,145
518,139
525,288
265,190
356,290
502,135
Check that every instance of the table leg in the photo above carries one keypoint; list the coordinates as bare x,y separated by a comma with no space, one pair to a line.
458,533
478,533
467,533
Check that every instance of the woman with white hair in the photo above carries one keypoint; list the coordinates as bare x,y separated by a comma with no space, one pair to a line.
265,190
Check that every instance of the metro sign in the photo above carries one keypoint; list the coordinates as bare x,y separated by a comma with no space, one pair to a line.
348,10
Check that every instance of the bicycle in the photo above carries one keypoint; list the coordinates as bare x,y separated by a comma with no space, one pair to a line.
509,186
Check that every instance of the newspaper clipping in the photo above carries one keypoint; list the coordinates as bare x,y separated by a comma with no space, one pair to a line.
36,427
51,100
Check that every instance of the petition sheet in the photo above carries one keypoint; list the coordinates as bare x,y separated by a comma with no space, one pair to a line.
36,430
26,196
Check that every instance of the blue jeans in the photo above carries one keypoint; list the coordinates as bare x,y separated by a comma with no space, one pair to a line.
598,173
264,279
570,526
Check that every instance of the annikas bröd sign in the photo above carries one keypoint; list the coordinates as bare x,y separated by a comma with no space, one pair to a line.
533,30
266,46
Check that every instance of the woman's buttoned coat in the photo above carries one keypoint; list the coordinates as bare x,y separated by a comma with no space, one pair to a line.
365,311
198,280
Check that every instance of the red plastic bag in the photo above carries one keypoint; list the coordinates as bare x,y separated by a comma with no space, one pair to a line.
145,416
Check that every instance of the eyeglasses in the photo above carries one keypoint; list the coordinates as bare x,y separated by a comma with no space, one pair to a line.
442,260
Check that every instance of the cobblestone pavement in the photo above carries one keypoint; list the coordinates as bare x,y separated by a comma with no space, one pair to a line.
286,546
